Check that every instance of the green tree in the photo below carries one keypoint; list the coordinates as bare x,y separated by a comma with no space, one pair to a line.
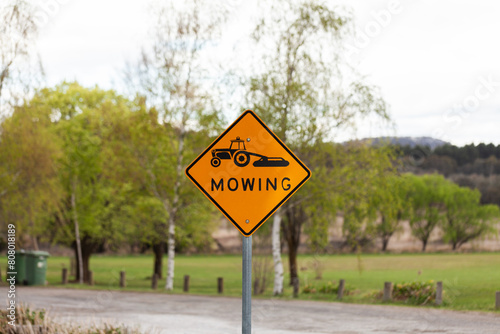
428,207
303,93
29,184
366,171
466,219
393,204
88,215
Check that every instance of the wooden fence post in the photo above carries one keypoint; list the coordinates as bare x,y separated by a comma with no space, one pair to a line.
439,293
154,282
186,283
65,276
497,300
91,277
220,285
387,292
295,284
122,279
340,292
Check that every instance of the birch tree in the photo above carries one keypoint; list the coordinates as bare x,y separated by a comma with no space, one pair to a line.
173,77
17,36
303,91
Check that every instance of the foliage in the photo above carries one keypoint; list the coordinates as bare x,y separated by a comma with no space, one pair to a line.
17,69
427,198
330,287
461,156
438,202
489,186
468,153
473,166
466,219
29,187
60,148
142,154
88,155
418,293
37,321
365,171
78,118
299,89
394,205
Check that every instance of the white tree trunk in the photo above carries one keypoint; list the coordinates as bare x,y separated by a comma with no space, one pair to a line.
77,232
171,254
173,213
278,265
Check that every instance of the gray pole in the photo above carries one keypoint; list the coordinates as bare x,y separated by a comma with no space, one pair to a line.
247,286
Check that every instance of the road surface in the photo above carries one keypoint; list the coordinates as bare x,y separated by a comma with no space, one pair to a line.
162,313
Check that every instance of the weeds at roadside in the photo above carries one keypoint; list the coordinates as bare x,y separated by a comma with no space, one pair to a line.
37,321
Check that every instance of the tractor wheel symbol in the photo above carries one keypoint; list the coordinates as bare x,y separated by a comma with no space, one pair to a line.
241,159
215,162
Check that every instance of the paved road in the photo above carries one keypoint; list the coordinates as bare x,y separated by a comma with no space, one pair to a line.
161,313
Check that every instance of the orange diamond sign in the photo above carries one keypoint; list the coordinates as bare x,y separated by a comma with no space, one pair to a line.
248,173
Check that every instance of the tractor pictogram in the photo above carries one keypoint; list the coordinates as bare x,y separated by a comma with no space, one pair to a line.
241,157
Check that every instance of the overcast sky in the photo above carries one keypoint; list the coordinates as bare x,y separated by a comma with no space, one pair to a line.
437,63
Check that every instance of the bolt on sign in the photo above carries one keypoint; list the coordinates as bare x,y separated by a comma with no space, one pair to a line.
248,173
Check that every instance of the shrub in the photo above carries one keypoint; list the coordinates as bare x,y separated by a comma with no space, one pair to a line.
331,287
36,321
309,288
419,293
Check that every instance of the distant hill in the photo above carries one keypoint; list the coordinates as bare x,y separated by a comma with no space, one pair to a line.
432,143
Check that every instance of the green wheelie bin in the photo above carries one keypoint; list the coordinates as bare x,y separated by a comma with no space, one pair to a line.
36,267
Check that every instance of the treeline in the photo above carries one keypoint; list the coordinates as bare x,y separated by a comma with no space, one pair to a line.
432,202
473,166
93,170
468,154
90,169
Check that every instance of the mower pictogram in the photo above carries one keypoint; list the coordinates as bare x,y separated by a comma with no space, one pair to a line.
241,157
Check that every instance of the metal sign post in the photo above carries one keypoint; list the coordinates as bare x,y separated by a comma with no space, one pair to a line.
246,315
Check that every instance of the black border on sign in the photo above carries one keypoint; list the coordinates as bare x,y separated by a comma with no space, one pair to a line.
217,204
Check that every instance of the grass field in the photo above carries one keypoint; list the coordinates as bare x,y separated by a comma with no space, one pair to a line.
470,280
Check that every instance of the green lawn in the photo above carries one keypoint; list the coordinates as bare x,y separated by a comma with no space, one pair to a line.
470,280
